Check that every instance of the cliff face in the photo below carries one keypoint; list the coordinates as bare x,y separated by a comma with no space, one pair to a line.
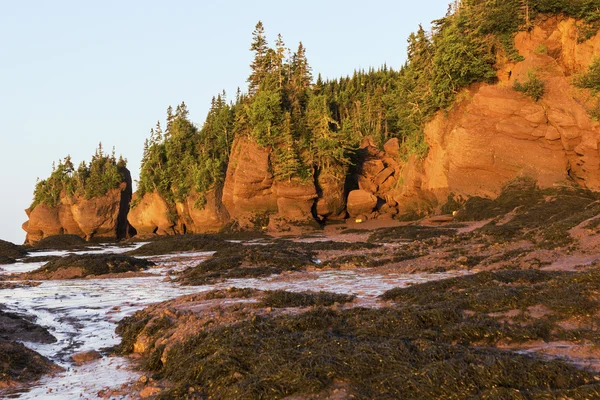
492,135
101,217
495,134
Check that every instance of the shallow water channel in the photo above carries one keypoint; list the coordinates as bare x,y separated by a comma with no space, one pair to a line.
82,314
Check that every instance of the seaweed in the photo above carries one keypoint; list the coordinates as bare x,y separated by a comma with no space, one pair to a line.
378,353
567,294
519,192
61,242
285,299
11,250
247,262
409,232
6,260
91,264
20,364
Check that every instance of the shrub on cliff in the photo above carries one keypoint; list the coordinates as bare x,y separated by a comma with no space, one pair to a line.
103,173
591,80
533,87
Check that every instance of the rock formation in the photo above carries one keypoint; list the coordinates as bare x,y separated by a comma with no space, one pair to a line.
492,135
495,134
103,217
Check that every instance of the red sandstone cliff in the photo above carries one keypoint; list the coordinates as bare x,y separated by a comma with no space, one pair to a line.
103,217
492,135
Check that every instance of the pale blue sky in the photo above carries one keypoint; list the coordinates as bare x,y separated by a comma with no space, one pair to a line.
74,73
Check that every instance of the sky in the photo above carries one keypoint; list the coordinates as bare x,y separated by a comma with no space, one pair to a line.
76,73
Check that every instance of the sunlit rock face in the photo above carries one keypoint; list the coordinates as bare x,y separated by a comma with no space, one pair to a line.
103,217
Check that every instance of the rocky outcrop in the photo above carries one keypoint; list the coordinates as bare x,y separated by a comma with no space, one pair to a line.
331,190
495,134
295,200
196,214
102,217
251,192
491,136
150,215
248,189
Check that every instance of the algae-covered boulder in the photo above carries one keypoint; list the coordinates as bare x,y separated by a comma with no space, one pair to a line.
81,266
11,250
60,242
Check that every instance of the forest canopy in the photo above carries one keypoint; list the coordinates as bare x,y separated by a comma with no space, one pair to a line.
315,126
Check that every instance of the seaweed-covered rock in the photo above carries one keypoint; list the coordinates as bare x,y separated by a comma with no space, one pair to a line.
285,299
11,250
247,262
7,260
21,365
81,266
61,242
18,364
15,326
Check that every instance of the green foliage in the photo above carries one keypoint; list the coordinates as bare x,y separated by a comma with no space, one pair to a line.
590,79
533,87
103,173
185,158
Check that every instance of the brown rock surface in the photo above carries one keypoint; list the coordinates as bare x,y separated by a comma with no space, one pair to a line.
295,200
97,217
248,186
332,202
150,215
85,357
361,202
497,134
211,217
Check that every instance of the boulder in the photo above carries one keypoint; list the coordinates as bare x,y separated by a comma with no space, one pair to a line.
360,202
392,148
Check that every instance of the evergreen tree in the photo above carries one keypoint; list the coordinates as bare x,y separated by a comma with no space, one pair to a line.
259,64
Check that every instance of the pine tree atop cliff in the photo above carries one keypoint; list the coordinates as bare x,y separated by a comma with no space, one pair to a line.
94,179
